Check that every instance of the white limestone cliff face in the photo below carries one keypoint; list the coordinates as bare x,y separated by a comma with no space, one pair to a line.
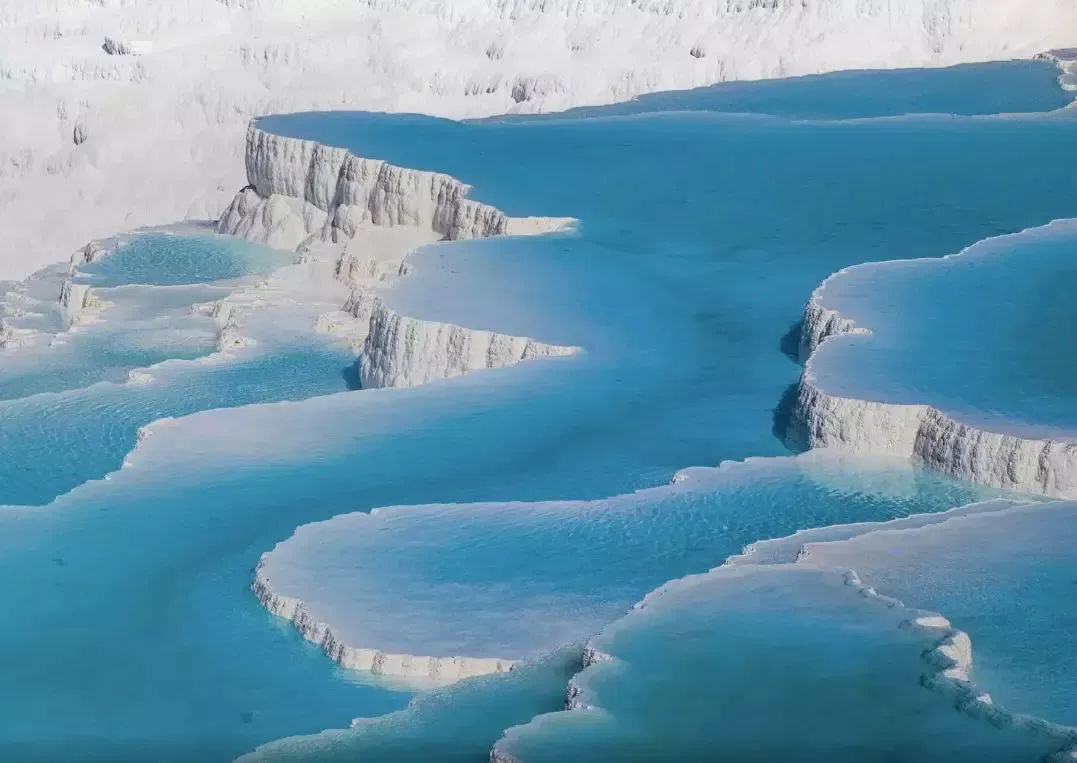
820,322
300,191
405,352
75,299
356,269
302,195
434,668
91,253
922,433
228,331
7,336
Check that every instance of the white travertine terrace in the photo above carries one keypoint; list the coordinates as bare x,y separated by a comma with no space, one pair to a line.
920,432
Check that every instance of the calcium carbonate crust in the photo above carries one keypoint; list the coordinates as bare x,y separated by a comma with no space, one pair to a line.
947,662
920,432
79,303
300,192
76,303
303,195
433,668
75,299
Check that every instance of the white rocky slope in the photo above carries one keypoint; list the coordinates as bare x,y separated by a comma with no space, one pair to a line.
370,215
121,114
920,432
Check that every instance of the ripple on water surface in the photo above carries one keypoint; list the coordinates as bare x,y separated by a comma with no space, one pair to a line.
515,580
51,443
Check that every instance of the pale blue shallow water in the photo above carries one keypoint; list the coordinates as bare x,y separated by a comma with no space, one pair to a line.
146,325
70,417
162,259
103,358
51,443
443,579
702,235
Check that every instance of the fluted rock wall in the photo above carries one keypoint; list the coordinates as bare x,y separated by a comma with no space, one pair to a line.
300,190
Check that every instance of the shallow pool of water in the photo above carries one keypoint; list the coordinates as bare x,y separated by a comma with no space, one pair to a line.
166,259
132,634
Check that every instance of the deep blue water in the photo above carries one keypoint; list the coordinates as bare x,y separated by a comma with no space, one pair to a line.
133,634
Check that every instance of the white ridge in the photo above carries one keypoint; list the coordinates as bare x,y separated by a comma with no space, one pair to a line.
438,669
406,352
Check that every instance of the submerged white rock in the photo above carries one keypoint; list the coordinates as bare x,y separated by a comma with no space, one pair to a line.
793,650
